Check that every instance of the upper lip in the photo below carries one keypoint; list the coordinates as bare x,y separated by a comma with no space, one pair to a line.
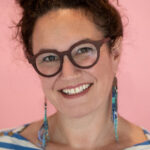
74,86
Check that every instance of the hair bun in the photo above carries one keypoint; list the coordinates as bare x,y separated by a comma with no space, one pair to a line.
106,1
26,3
22,3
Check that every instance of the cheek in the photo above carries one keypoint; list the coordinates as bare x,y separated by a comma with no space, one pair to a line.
47,85
103,75
103,69
48,89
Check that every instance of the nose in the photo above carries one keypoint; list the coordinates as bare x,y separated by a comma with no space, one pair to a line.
68,69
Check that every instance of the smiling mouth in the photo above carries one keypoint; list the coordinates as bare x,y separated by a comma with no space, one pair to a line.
76,91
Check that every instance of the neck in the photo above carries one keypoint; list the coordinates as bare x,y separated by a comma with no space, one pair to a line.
96,129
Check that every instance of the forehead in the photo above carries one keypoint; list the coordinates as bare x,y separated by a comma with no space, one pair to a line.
61,28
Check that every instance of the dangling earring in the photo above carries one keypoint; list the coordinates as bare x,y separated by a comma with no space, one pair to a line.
46,137
115,107
43,135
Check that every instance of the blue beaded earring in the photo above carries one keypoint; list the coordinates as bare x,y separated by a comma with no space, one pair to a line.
43,135
115,107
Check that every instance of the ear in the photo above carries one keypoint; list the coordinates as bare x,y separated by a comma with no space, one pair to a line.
116,54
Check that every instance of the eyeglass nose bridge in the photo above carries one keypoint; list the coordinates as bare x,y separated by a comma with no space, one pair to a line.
68,54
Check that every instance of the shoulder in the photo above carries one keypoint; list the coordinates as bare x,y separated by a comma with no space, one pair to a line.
10,132
133,137
11,139
143,145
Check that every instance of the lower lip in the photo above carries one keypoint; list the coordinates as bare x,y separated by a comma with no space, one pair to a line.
76,95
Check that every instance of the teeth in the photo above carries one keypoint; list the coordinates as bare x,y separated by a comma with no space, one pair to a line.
76,90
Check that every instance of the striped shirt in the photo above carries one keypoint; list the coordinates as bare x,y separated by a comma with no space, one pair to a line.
10,139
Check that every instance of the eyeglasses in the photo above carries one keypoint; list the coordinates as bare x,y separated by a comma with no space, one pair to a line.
83,54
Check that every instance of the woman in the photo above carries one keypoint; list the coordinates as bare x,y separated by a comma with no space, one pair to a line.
75,47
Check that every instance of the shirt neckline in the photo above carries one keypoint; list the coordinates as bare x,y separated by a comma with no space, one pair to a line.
135,145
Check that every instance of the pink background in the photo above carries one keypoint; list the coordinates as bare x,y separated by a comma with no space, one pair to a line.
21,97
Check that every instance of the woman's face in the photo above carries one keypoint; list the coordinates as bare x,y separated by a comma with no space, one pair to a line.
59,30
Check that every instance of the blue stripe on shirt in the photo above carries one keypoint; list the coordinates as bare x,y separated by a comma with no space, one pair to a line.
144,143
16,147
16,135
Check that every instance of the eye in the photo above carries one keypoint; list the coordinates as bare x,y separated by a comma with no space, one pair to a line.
50,58
84,50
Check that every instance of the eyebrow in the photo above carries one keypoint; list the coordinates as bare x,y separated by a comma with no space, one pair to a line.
46,49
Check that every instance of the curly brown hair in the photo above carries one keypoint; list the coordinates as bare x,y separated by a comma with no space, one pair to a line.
104,15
